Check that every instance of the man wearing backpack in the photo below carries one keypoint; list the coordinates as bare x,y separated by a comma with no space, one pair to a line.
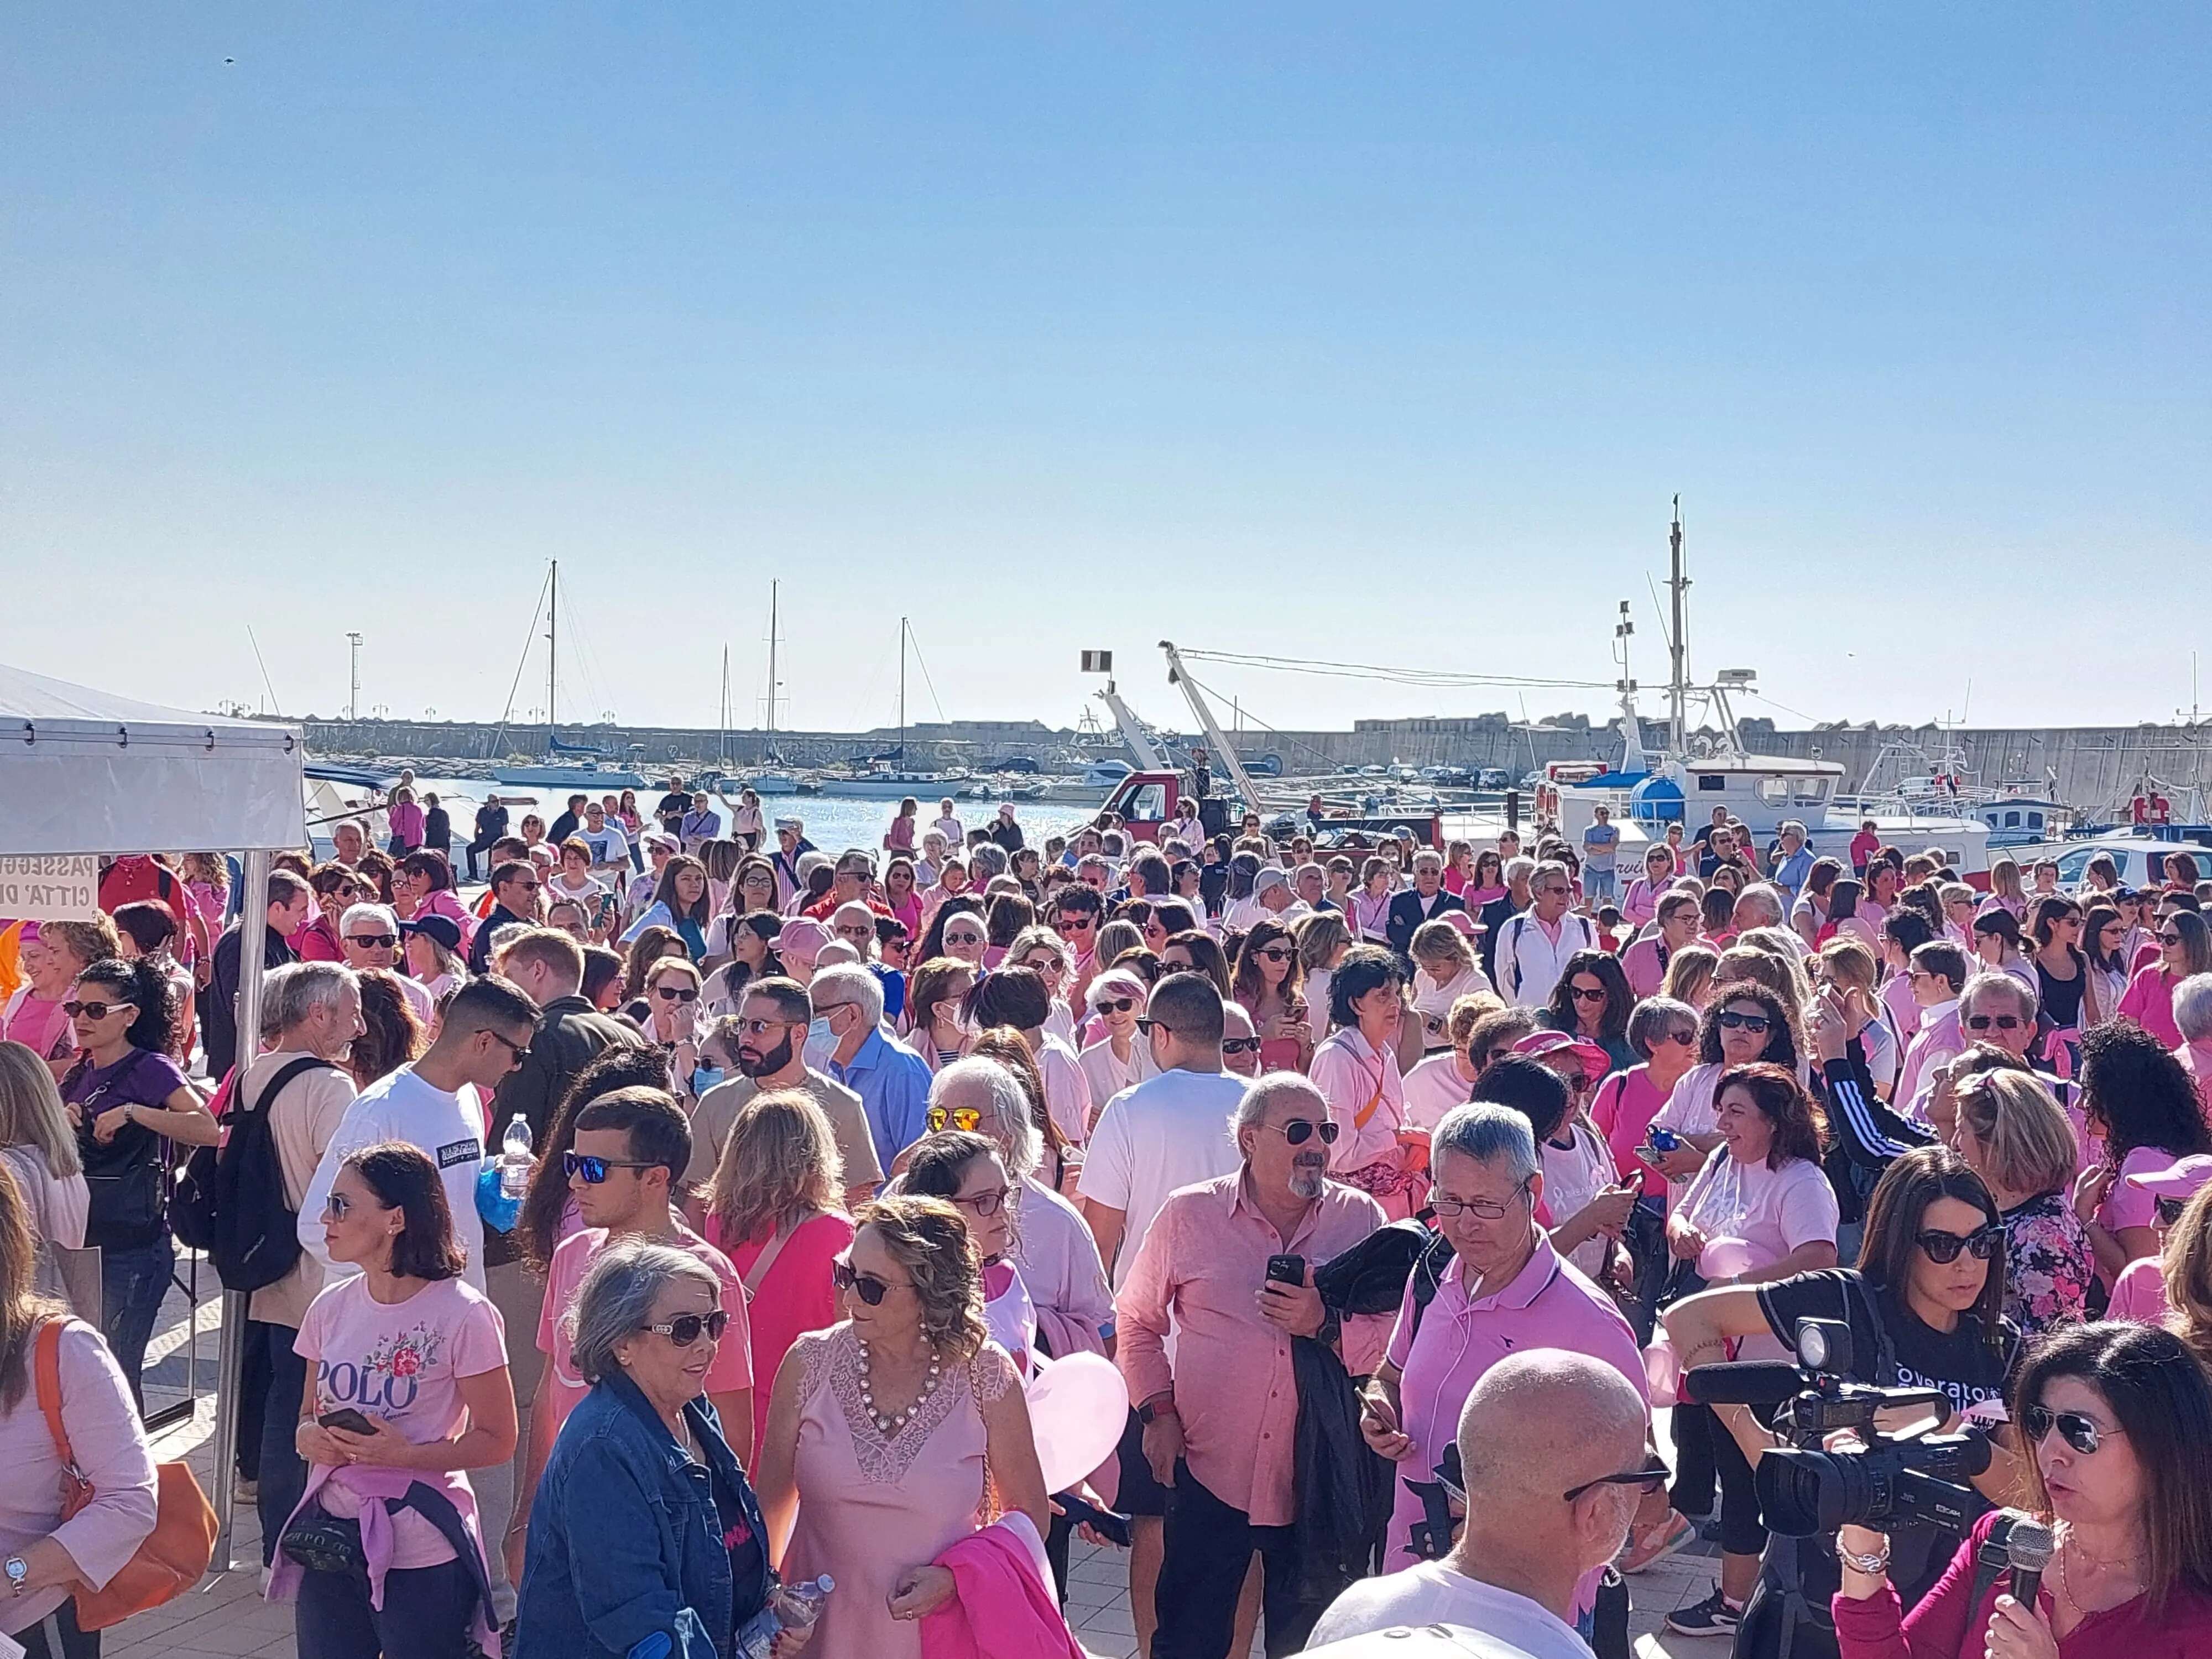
314,1008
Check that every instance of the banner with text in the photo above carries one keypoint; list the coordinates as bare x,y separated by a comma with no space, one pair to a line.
63,887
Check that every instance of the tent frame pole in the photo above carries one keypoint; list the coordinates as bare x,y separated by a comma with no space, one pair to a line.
252,959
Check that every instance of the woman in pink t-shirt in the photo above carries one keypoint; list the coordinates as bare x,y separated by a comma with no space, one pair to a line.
2143,1105
1665,1033
407,1389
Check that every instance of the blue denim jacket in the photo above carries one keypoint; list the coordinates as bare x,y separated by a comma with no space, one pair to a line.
626,1559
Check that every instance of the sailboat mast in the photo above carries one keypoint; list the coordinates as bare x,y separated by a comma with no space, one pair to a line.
1677,680
552,651
775,589
901,692
722,754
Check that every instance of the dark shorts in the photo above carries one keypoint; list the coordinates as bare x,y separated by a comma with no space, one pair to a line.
1138,1494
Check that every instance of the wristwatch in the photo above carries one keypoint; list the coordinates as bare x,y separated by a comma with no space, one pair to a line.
1163,1406
18,1570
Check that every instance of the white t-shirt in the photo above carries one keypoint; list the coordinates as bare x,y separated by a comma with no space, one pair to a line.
1500,1622
955,835
445,1126
608,844
1168,1131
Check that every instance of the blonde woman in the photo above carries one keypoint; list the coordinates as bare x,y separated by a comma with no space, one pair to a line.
1444,972
1847,967
51,962
40,1149
2015,1137
776,1209
1323,938
1690,974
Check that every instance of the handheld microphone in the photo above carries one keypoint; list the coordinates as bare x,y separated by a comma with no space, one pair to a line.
2029,1549
1743,1382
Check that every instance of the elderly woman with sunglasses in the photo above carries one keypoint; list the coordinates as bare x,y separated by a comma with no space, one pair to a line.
1118,1059
645,1535
1925,1300
2117,1421
898,1433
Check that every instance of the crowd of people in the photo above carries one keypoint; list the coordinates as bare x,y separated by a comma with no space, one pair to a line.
659,1251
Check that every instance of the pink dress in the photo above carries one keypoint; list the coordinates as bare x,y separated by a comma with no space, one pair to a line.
869,1509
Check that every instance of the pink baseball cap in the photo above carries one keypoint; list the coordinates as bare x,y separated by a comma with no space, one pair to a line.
2178,1180
802,937
1595,1061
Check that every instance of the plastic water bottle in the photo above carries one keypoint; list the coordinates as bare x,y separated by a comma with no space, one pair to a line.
514,1158
790,1607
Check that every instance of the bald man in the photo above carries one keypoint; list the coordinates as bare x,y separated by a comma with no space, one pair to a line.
1555,1451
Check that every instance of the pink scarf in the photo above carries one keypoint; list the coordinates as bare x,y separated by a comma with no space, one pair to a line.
1001,1608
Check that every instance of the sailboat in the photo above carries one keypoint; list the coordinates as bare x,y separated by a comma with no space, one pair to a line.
555,772
884,780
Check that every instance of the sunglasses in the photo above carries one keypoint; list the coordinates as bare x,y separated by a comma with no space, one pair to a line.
2083,1434
1300,1130
594,1169
964,1118
373,941
686,1328
1587,993
1118,1006
870,1288
676,993
1942,1248
1244,1046
1729,1020
2169,939
2003,1022
963,938
519,1050
1077,924
1647,1481
93,1010
1685,1038
1146,1023
1275,953
337,1206
2169,1209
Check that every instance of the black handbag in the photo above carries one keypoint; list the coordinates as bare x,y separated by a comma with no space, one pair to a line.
321,1542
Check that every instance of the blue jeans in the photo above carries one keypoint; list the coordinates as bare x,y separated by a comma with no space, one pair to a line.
133,1281
283,1471
426,1614
1597,884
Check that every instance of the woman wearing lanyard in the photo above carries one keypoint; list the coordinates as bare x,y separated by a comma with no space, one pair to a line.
1357,1073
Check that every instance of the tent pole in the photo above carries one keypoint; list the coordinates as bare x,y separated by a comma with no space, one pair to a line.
252,957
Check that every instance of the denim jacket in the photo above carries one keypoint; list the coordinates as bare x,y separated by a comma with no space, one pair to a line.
626,1559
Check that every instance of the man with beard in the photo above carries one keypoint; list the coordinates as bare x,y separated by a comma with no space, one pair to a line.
770,1043
1229,1263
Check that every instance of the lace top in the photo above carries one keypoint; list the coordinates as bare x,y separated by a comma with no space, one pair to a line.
836,1362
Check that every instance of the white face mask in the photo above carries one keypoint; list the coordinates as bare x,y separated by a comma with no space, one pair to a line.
821,1043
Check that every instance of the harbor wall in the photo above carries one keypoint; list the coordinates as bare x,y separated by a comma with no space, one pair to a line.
2090,766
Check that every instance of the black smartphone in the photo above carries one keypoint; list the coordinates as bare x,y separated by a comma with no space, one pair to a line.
346,1418
1109,1524
1287,1269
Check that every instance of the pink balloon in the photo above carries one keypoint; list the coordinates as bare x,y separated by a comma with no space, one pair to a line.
1077,1407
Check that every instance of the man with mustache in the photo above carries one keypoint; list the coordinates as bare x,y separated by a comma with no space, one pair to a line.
1221,1416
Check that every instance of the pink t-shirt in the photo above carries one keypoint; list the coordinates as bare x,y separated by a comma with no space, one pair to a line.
733,1368
1625,1104
1773,1211
2128,1205
402,1363
2141,1294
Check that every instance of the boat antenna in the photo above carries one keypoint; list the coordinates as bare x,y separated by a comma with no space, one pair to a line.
552,648
775,596
1678,681
276,707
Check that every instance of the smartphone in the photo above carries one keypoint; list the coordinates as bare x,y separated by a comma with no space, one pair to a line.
1287,1269
1634,1181
347,1418
1111,1525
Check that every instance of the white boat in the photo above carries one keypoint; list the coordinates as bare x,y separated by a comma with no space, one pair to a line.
885,785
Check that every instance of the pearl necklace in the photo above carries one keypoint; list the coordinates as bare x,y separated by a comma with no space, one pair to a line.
889,1427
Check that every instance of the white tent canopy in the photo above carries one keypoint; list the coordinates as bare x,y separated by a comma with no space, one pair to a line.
85,771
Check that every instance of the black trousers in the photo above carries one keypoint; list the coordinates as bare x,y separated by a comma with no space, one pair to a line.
1207,1551
474,848
57,1637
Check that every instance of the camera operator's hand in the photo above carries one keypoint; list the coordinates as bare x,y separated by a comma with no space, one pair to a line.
2019,1632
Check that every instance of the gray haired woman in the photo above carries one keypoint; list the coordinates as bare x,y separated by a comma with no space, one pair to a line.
644,1525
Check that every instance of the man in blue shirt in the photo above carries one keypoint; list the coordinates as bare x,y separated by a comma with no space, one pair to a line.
1792,862
892,1080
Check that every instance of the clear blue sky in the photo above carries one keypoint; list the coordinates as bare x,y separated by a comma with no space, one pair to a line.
1279,328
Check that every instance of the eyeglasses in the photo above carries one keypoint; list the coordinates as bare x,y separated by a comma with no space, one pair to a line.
1244,1046
373,941
762,1027
960,1117
2003,1022
1300,1130
2084,1434
869,1288
1728,1020
1587,992
1942,1248
985,1203
1118,1006
93,1010
519,1050
686,1328
1648,1480
1444,1204
677,993
757,879
594,1169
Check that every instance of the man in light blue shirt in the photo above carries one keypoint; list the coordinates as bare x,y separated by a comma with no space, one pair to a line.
1792,862
892,1080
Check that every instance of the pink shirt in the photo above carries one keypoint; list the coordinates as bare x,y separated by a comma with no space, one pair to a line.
2150,1003
39,1025
794,1297
402,1362
2141,1294
1689,1111
1641,902
1348,1071
1202,1263
1433,1088
2197,1060
2128,1205
733,1368
1940,1038
1625,1104
1903,1011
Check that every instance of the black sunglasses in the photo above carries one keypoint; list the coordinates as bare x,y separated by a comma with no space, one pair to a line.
1243,1046
374,941
1299,1130
2169,1209
594,1169
2003,1022
676,993
1647,1481
1120,1005
870,1288
2078,1432
685,1328
1942,1248
1729,1020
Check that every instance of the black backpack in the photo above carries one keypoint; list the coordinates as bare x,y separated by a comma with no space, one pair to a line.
230,1202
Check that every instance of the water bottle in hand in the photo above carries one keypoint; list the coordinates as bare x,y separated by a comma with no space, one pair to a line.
790,1607
516,1159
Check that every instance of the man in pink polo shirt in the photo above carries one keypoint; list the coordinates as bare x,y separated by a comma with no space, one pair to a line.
1507,1290
1221,1415
1938,974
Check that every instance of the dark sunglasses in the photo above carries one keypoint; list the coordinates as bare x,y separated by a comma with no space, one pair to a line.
1942,1248
594,1169
1244,1046
374,941
1146,1023
1587,993
676,993
93,1010
963,938
1685,1038
1299,1130
686,1328
1647,1481
2169,1209
1729,1020
1275,953
2003,1022
960,1117
1118,1006
870,1288
2077,1431
2169,939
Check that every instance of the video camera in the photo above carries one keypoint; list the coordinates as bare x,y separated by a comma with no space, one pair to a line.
1805,1490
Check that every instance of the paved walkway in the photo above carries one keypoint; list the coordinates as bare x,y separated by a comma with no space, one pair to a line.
226,1615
